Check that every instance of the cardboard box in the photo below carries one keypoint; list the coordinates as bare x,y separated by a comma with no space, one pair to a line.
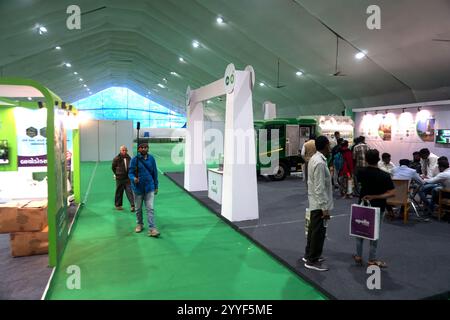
29,243
21,216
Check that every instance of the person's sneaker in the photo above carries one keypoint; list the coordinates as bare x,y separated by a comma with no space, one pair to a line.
119,208
321,259
315,266
153,232
139,228
133,209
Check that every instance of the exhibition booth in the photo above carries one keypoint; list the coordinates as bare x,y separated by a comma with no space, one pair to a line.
39,168
279,225
402,129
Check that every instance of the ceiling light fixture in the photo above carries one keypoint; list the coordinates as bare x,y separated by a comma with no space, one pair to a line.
42,30
181,59
84,85
75,73
161,85
81,79
68,65
299,73
165,80
195,44
261,84
360,55
220,20
58,48
174,74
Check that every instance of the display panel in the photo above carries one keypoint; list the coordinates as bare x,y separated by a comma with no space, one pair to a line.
443,136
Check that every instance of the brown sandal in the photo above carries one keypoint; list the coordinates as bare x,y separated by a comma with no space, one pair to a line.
358,260
377,263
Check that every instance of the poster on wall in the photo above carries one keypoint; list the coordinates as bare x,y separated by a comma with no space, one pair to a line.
406,130
31,137
62,219
385,127
425,129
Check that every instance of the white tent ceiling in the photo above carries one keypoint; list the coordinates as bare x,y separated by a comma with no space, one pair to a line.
137,43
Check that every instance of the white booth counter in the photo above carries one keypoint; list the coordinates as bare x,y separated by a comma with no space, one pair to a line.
215,179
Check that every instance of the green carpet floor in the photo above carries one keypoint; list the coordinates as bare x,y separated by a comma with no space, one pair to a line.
198,256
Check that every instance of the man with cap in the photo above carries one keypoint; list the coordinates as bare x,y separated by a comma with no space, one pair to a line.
143,174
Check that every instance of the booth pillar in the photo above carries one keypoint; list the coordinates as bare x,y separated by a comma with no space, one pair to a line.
195,178
240,195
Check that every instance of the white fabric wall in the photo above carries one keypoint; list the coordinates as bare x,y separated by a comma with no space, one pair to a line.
403,149
100,140
161,132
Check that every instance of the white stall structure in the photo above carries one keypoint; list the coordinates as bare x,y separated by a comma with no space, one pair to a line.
239,184
100,140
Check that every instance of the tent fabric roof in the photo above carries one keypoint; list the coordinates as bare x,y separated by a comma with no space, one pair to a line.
137,43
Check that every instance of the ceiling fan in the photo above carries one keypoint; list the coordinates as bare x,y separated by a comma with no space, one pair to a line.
337,72
441,40
278,77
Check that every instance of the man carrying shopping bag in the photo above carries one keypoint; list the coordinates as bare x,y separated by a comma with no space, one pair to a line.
376,187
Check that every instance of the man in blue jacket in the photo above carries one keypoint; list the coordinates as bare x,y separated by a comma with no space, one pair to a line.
144,182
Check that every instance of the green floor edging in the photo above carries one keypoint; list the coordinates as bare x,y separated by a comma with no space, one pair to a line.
197,257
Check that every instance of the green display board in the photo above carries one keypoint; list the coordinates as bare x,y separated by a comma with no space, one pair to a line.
56,159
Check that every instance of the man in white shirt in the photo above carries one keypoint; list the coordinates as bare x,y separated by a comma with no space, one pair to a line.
385,164
320,198
428,163
433,185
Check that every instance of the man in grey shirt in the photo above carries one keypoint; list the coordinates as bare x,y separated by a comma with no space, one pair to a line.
320,198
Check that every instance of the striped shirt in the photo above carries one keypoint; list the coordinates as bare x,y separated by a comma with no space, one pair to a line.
359,154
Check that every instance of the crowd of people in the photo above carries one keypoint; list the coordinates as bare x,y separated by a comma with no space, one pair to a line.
360,171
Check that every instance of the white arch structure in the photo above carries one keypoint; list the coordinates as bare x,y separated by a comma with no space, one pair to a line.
239,190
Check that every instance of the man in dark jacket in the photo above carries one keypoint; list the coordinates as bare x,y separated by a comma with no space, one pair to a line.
120,166
144,182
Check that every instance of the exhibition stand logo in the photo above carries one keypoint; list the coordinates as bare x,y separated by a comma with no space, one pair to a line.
32,161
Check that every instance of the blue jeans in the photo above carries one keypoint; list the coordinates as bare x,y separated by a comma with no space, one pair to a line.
424,191
373,244
148,198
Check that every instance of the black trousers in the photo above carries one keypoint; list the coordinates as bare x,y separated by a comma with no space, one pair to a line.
121,186
316,236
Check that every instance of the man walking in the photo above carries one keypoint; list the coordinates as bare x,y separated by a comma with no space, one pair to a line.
144,181
320,198
120,166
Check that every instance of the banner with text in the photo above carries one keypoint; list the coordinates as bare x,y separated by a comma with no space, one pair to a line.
31,128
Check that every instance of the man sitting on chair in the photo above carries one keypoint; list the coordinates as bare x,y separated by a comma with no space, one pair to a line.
433,185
